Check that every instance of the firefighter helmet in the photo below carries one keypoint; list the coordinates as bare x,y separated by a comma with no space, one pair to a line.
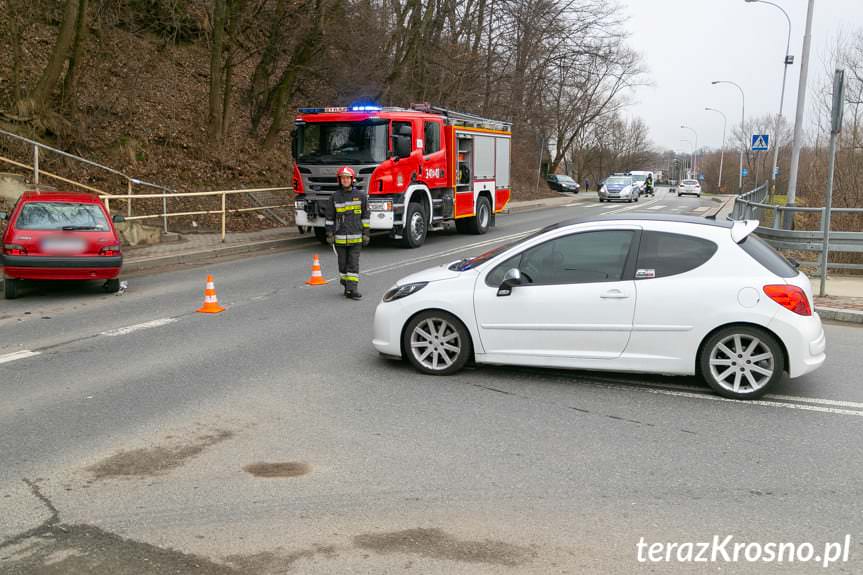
347,170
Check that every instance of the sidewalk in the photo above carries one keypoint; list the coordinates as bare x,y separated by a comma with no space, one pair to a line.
844,302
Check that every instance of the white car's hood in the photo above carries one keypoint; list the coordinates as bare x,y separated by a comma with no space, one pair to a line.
434,274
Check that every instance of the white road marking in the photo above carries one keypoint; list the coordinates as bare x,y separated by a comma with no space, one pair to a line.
701,209
137,327
23,354
774,400
656,207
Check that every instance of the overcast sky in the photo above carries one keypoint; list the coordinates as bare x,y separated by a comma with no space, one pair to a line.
688,43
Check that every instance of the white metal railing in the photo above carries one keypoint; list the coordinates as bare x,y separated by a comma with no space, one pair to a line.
222,194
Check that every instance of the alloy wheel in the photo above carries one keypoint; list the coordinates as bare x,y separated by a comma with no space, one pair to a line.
741,363
435,344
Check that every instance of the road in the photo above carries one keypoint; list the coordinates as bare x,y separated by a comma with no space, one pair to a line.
137,436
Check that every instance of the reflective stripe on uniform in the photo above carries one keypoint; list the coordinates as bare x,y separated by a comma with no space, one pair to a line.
351,278
366,222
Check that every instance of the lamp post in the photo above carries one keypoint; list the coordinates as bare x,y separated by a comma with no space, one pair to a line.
722,149
695,160
742,128
801,108
691,154
789,59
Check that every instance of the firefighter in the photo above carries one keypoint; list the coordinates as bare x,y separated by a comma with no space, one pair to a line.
347,221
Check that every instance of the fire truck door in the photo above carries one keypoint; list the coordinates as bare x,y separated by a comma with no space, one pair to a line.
434,155
405,144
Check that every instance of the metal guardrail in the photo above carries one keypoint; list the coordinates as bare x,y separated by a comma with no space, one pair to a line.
223,211
779,233
131,182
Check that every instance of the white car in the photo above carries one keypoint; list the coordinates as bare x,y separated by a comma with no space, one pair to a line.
641,293
689,187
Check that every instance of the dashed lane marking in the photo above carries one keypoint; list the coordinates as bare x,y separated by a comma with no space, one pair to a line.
138,327
23,354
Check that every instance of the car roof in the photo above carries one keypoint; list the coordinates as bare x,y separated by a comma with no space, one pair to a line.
640,217
52,196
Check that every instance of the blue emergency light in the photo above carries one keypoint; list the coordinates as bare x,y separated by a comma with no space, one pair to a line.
366,108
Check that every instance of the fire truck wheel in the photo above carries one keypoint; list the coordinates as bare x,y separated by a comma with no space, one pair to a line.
321,234
415,229
480,223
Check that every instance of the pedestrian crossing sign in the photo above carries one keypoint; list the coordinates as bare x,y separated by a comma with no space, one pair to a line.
760,142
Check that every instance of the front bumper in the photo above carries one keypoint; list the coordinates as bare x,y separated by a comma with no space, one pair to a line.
388,326
378,220
611,196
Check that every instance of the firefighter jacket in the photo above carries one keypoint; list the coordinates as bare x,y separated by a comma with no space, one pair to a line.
347,216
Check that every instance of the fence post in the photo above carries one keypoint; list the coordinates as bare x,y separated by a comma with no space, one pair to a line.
129,201
776,217
223,217
35,165
165,210
108,204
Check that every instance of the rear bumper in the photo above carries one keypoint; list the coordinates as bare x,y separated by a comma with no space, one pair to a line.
804,339
61,268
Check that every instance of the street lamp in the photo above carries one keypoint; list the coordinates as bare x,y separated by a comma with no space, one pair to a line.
695,159
722,149
789,59
691,153
742,128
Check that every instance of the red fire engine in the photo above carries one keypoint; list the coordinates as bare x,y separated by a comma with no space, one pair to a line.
421,167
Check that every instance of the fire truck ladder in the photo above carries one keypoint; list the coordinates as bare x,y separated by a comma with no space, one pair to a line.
472,120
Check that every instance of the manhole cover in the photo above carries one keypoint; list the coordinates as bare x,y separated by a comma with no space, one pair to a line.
285,469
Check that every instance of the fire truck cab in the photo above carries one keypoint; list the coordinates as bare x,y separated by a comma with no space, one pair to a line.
421,167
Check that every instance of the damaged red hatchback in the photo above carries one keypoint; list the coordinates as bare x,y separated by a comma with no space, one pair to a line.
60,236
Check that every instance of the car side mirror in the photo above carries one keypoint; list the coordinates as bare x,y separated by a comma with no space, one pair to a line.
511,279
118,219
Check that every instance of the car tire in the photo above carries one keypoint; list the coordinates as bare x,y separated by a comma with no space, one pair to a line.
10,288
112,286
726,363
425,336
601,200
480,223
637,197
321,234
416,226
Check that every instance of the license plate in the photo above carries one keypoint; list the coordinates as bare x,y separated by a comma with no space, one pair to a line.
63,245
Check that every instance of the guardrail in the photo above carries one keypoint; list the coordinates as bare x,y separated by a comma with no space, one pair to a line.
223,211
752,206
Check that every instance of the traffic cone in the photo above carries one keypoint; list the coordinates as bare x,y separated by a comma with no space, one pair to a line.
211,302
316,279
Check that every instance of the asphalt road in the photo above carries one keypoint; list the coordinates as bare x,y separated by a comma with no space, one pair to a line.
137,436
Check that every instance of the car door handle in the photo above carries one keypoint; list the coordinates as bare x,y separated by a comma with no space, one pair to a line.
614,294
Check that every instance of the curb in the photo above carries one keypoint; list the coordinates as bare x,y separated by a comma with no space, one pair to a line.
843,315
205,255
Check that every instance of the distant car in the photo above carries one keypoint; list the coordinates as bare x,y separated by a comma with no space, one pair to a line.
615,293
60,236
619,188
689,187
560,183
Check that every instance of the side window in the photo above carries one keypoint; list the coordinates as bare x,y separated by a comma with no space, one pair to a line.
664,254
402,138
495,278
586,257
432,138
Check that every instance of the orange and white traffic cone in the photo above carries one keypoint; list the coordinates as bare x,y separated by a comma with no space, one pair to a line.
211,302
317,278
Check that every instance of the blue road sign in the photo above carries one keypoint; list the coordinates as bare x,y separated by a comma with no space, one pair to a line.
701,177
760,142
745,172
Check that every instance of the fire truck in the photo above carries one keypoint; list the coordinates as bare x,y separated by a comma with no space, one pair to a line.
422,167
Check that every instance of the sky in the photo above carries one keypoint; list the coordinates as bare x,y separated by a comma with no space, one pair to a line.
686,44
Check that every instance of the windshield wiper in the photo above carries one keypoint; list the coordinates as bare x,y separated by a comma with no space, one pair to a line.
80,228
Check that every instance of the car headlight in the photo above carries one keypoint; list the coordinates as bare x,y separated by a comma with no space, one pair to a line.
398,292
381,206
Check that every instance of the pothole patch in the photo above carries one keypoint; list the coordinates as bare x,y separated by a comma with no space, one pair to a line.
277,469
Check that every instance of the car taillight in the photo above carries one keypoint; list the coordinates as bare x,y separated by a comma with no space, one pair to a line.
790,297
14,250
110,251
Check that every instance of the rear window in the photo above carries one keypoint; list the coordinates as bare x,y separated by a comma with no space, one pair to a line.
763,253
663,254
61,216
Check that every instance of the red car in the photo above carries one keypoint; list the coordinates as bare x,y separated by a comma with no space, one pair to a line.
60,236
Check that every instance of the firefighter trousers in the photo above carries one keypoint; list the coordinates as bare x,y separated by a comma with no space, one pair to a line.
349,265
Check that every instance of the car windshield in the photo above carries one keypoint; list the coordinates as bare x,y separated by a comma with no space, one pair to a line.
565,179
639,178
342,142
60,216
474,262
618,181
